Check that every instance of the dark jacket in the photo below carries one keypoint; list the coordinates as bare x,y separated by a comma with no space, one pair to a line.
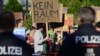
84,42
11,46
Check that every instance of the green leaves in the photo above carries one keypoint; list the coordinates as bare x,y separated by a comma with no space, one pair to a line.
28,22
13,5
74,5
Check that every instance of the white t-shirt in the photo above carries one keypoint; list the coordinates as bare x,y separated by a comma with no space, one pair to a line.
38,39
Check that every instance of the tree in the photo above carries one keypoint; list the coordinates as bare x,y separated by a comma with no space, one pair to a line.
28,21
74,5
13,5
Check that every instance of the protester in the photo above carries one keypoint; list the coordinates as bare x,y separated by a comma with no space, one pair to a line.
97,26
38,41
59,38
85,41
51,34
10,45
30,38
19,30
50,42
71,29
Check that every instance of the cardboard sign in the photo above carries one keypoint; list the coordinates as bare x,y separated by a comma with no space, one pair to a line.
97,15
97,10
68,21
46,11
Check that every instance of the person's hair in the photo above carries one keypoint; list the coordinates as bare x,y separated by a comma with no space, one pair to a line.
31,28
39,27
97,24
87,15
7,21
18,21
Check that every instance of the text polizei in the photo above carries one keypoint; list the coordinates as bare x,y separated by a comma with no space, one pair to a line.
88,39
10,50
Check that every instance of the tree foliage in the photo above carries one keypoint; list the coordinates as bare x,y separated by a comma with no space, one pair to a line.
74,5
28,22
13,5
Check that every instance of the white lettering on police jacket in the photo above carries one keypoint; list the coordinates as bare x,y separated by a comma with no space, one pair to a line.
10,50
88,39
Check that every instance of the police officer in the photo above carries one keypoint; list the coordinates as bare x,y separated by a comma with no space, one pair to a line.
86,40
9,44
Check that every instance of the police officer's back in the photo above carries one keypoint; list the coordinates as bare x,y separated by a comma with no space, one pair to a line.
9,44
85,41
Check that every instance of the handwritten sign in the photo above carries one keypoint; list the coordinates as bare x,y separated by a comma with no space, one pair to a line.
46,11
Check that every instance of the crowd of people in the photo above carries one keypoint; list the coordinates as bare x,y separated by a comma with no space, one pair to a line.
15,40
